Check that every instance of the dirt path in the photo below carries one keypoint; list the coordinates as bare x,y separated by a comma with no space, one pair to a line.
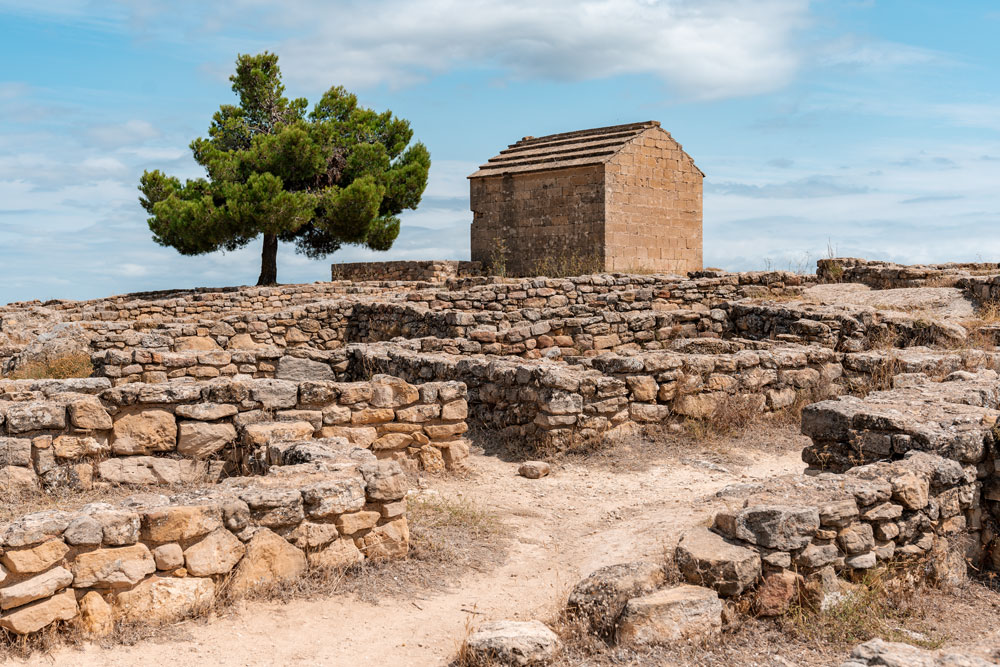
563,527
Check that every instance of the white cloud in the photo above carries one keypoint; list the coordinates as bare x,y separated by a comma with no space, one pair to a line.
707,48
103,163
122,134
855,51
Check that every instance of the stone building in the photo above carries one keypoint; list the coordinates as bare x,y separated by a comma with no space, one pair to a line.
620,198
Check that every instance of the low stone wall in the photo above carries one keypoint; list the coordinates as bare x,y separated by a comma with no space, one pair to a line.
154,559
889,275
548,404
842,328
954,418
857,519
430,270
186,432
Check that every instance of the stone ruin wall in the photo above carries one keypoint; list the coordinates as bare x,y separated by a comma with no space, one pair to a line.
889,275
328,462
154,558
552,363
653,194
83,433
410,271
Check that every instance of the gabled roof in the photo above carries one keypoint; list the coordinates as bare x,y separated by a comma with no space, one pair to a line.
569,149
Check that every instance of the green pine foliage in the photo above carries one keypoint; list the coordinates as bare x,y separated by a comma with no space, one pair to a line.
339,174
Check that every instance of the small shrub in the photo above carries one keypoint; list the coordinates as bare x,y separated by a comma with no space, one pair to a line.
57,368
877,604
570,264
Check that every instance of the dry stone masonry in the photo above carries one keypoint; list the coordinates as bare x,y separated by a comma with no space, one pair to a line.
154,558
78,433
307,403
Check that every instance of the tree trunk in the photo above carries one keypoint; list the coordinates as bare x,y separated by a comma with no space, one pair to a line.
269,261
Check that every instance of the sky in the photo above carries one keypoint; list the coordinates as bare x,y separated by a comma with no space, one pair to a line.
862,128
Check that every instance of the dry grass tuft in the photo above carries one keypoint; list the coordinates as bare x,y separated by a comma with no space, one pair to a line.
879,604
56,368
880,379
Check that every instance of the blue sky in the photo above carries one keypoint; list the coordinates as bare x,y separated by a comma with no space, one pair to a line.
872,127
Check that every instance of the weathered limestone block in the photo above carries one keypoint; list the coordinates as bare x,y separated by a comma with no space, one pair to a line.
15,452
200,440
269,559
513,643
783,527
856,538
388,541
392,392
217,553
35,559
120,567
34,528
880,652
258,435
774,596
534,469
74,447
310,536
35,416
96,619
339,554
16,480
275,394
179,523
602,595
162,600
329,498
272,507
297,368
89,414
384,481
37,615
672,614
195,344
206,411
150,470
144,432
706,559
356,522
40,586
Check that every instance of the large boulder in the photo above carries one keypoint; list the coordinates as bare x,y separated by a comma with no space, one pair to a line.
706,559
601,596
672,614
514,643
161,600
217,553
269,559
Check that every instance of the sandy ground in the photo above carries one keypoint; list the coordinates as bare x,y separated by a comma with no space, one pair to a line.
938,302
562,527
